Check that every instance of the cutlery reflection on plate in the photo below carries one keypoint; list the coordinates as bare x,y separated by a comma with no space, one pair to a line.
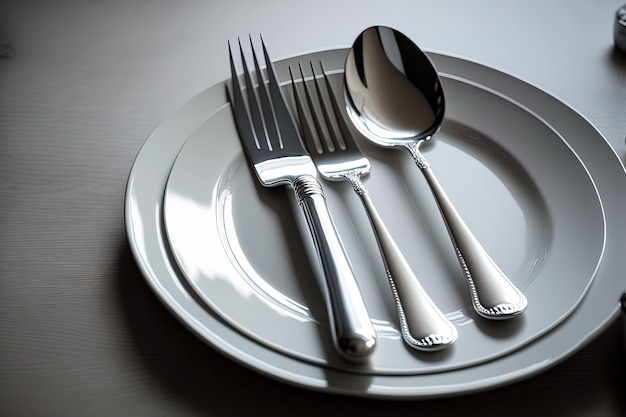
338,158
273,147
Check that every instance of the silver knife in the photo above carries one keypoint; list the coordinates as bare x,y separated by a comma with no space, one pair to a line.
274,149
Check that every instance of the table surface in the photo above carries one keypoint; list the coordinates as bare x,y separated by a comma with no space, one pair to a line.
83,84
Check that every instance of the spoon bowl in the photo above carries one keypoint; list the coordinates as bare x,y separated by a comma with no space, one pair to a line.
394,97
393,90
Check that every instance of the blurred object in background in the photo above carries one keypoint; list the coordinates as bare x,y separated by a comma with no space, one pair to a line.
619,29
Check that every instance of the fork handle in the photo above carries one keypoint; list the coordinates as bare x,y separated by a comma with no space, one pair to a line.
353,332
423,325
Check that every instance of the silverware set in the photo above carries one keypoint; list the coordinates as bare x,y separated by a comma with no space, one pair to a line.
285,153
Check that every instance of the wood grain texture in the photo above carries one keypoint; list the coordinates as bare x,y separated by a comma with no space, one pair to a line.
81,334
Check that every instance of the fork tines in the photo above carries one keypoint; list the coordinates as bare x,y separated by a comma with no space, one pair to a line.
267,120
327,128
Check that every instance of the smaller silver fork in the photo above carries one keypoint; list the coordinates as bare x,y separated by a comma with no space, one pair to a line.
338,158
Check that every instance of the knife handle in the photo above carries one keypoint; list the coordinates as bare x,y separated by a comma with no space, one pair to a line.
353,332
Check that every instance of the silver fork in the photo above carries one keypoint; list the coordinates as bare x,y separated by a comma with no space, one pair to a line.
338,158
274,150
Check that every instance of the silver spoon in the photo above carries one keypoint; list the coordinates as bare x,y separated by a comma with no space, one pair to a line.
395,99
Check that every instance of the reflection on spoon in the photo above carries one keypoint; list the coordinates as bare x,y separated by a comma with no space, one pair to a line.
395,99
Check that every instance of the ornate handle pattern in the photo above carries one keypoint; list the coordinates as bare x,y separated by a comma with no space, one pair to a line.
423,325
494,296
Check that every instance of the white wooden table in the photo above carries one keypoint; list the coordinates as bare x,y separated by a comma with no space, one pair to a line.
83,83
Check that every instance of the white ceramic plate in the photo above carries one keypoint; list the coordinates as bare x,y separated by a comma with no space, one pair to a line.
145,230
521,189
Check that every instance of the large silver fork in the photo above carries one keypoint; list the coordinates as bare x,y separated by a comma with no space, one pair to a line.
338,158
274,150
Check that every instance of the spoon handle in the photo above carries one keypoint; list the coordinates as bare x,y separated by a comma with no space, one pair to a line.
494,296
423,325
